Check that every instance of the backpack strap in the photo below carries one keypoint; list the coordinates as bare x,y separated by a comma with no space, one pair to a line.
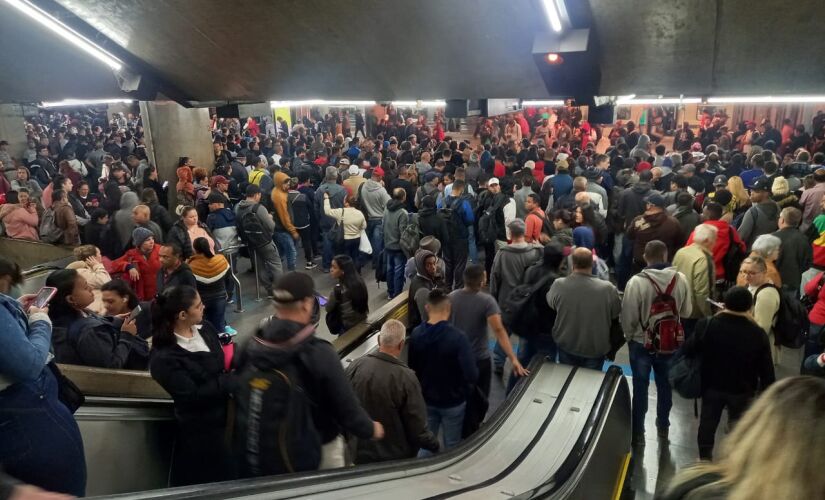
672,285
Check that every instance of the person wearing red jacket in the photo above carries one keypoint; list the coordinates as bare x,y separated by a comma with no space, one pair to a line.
141,264
711,215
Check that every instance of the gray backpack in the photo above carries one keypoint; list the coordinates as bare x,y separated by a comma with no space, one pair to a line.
49,232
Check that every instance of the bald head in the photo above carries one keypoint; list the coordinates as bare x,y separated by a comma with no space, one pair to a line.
582,260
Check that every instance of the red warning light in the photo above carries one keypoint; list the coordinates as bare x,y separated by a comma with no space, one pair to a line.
553,58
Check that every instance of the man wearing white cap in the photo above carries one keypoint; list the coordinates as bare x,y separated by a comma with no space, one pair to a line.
354,180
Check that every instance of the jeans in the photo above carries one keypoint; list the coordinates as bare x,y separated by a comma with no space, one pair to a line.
641,362
375,232
327,250
689,324
473,248
351,249
478,401
456,261
214,311
40,442
395,271
306,242
452,421
582,362
268,264
625,263
713,402
286,247
541,343
812,343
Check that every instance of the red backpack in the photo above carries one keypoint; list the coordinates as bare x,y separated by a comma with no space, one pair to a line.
663,333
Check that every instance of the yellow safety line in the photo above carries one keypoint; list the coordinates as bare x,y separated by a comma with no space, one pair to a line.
617,491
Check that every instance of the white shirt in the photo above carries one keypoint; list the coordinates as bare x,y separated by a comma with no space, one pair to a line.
194,344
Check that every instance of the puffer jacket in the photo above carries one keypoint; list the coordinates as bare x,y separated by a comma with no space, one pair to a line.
280,200
210,274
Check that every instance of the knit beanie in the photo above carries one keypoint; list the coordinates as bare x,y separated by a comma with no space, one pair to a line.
140,235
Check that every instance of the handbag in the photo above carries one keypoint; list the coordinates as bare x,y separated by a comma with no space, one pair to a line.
336,234
67,392
365,246
685,375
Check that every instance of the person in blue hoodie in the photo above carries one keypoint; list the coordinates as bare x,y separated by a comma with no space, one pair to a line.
443,360
40,441
459,209
221,222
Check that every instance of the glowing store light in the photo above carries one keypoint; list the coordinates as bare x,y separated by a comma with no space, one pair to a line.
552,13
420,104
538,102
318,102
84,102
666,100
66,33
767,99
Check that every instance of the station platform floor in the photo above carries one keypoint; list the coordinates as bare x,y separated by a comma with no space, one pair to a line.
652,466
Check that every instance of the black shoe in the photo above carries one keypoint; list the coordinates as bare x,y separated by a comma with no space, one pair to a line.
638,440
662,432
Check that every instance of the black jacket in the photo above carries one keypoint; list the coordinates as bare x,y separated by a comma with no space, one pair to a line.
631,202
160,216
103,237
432,224
443,360
391,394
180,236
97,341
795,257
336,408
180,276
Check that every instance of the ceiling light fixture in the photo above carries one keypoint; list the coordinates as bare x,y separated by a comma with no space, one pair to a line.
552,12
438,103
539,102
83,102
318,102
625,101
789,99
66,33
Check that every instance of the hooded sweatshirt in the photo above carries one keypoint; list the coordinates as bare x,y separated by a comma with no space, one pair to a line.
420,287
395,220
640,152
335,406
442,358
124,225
631,203
373,199
223,226
758,220
509,266
639,294
280,195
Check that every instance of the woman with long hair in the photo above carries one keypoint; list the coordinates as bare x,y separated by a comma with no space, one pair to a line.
188,362
776,450
741,199
349,302
210,274
40,442
150,181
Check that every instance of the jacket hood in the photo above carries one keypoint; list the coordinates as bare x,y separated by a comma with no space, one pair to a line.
644,140
662,277
245,203
682,211
641,187
420,257
770,208
279,179
655,219
394,205
424,212
129,200
372,186
278,343
583,237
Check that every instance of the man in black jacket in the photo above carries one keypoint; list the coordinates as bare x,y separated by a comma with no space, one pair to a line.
173,271
287,342
796,254
390,393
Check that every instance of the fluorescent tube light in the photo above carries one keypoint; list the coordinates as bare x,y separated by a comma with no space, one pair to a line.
767,99
552,13
83,102
667,100
318,102
66,33
423,104
539,102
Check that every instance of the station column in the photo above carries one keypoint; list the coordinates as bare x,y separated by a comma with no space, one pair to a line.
172,131
12,129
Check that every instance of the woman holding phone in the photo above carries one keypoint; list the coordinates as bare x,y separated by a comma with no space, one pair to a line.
349,302
40,442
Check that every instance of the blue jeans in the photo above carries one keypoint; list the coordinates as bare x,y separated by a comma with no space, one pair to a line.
395,271
452,421
286,248
375,232
812,343
40,442
625,263
641,362
529,347
473,247
214,311
327,250
582,362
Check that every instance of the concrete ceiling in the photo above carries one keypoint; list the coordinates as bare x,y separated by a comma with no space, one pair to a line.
257,50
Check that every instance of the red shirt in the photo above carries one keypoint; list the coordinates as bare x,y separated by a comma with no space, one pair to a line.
817,314
499,170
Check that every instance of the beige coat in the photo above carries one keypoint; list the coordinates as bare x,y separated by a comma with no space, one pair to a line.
96,277
696,264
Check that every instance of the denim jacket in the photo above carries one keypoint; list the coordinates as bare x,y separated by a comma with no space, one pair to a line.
25,342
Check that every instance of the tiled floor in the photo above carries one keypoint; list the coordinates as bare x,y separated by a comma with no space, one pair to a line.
653,465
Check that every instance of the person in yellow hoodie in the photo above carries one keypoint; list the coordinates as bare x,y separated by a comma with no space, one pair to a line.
285,232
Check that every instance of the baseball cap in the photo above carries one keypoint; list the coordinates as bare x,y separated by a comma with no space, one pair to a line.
353,170
252,190
720,180
429,176
343,161
378,171
292,287
219,179
493,181
761,184
656,199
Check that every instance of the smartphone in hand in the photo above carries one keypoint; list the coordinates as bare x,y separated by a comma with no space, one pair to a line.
322,301
134,313
44,296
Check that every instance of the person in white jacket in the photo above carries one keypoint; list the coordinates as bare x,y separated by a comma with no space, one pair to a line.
658,277
89,264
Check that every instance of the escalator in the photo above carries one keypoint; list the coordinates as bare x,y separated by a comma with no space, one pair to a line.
564,433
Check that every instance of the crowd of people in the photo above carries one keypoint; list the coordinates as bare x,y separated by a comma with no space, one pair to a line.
707,249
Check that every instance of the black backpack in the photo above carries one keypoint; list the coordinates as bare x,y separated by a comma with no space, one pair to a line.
487,226
274,429
792,322
733,258
251,230
519,311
